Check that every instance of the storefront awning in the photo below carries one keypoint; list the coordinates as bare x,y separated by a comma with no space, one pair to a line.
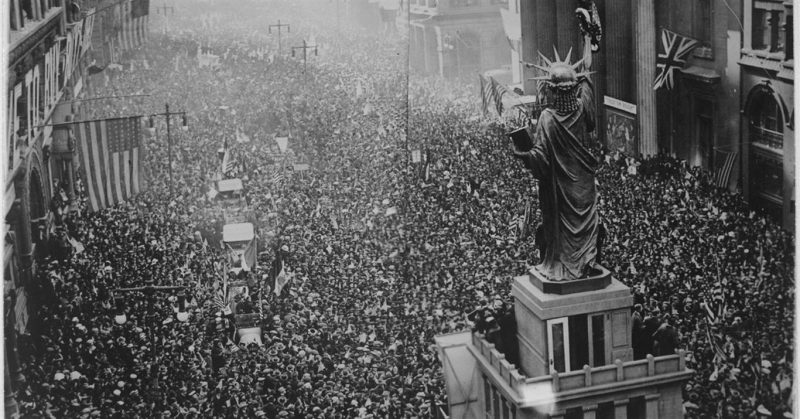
703,75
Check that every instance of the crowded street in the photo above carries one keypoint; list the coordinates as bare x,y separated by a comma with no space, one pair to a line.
393,203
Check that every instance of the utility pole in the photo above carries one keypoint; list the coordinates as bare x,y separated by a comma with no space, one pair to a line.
279,26
184,127
165,8
305,47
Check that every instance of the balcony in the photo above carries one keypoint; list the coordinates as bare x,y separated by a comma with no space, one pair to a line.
605,382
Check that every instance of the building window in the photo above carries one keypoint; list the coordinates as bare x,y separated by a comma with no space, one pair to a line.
769,26
703,28
766,177
766,122
765,112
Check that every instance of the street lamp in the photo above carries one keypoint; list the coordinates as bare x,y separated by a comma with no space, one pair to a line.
120,318
181,313
119,314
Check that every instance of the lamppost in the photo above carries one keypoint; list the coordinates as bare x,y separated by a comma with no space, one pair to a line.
305,47
280,27
149,291
152,129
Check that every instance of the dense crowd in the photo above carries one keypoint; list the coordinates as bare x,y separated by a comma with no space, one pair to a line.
386,250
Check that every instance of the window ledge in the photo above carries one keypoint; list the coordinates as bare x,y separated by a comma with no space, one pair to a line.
764,53
761,59
768,149
704,52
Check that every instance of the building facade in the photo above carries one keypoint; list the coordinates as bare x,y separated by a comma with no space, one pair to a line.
456,38
48,44
766,65
732,98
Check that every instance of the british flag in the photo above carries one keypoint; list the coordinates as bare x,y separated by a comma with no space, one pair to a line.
675,49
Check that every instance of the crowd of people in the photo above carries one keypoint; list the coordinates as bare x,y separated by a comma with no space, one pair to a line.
406,222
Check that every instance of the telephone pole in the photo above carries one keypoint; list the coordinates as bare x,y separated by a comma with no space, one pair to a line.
280,27
305,47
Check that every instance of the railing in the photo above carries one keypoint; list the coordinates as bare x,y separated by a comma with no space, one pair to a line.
511,376
585,379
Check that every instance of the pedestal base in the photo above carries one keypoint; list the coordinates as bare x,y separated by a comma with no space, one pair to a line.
536,309
590,283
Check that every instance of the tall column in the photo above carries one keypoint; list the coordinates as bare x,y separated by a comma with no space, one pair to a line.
645,60
651,405
617,44
538,18
621,409
440,50
567,29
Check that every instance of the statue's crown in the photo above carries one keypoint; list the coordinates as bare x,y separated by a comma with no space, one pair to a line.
561,74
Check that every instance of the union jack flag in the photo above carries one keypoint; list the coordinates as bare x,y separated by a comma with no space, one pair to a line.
675,49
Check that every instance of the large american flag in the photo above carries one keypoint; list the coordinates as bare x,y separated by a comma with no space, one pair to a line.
675,48
134,15
111,156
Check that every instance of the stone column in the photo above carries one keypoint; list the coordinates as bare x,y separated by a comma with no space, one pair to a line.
569,35
440,50
644,35
616,45
590,411
651,405
621,409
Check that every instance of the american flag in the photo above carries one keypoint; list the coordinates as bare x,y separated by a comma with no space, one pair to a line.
492,92
228,162
134,15
111,155
277,175
218,300
723,173
675,49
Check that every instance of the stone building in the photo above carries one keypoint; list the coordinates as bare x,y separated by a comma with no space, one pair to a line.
732,98
47,58
456,38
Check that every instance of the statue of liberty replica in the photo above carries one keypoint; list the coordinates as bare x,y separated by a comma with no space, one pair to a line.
561,160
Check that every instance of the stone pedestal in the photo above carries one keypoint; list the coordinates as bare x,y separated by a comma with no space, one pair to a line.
534,307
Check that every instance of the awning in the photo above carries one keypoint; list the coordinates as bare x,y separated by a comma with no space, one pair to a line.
703,75
237,232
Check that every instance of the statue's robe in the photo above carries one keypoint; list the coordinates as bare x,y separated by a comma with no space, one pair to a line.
565,167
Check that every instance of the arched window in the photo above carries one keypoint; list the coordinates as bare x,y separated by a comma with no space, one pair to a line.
767,113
